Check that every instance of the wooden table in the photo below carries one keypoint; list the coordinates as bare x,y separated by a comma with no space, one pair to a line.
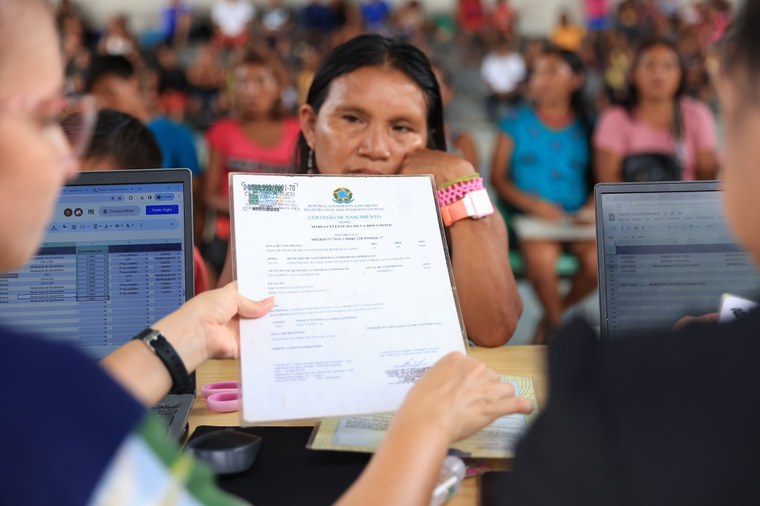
526,361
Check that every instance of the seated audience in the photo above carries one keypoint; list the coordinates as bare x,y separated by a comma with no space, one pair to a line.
232,21
376,15
458,142
176,18
206,77
117,39
112,80
503,18
541,168
259,137
568,35
503,70
657,118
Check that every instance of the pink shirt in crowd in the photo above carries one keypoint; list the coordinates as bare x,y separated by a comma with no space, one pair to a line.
240,154
596,8
623,134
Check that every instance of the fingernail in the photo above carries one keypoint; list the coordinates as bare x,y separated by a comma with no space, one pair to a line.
268,301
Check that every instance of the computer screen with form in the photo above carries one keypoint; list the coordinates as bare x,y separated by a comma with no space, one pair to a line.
667,255
112,263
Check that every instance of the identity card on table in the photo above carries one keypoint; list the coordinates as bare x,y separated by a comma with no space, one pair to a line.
364,293
366,433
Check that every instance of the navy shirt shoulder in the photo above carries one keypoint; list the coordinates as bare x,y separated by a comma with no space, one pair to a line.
63,418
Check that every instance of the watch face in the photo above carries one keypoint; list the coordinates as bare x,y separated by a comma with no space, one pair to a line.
481,204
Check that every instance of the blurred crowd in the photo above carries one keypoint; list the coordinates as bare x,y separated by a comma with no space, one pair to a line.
220,89
183,65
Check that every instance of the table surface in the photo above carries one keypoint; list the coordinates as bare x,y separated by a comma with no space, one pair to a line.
528,361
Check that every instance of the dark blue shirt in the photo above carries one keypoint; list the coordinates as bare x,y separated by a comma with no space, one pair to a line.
548,163
62,420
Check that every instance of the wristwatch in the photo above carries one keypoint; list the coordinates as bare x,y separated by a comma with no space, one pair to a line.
158,344
475,205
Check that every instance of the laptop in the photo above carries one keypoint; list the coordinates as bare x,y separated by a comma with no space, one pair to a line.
116,257
665,251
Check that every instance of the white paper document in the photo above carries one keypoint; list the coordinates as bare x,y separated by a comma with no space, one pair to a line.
364,297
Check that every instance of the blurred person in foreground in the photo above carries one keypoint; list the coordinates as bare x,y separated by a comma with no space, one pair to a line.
670,417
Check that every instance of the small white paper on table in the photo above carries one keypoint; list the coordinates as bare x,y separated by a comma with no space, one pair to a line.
363,286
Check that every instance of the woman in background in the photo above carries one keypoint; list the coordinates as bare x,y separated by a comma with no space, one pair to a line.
375,108
652,114
259,137
541,168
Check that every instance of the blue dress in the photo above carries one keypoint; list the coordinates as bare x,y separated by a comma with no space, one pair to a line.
548,163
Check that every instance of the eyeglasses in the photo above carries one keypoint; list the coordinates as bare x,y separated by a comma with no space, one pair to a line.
78,117
67,122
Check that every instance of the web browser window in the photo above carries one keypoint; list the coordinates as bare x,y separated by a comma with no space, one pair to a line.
112,262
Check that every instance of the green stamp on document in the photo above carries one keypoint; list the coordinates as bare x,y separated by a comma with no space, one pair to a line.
264,194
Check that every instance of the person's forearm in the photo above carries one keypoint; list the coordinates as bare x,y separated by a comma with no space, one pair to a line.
404,470
142,373
509,193
485,284
139,371
608,166
708,165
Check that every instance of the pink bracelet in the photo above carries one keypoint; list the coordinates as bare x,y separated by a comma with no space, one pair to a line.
457,191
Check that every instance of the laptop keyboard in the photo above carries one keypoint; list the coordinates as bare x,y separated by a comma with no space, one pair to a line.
165,412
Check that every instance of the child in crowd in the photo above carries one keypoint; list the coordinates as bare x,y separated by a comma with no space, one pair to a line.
121,141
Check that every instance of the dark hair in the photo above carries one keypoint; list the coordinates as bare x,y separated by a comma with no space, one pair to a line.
120,137
577,102
632,96
254,56
741,48
376,51
107,65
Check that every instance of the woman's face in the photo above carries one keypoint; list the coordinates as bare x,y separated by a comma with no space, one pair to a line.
36,157
553,81
256,90
371,120
741,175
657,74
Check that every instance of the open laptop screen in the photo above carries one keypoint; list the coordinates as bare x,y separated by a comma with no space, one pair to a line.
113,261
666,254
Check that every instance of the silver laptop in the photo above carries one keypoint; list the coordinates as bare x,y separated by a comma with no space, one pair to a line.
116,257
665,251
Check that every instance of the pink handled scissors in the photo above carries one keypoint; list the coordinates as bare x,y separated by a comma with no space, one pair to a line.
223,396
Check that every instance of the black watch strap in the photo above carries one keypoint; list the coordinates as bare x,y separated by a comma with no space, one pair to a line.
157,343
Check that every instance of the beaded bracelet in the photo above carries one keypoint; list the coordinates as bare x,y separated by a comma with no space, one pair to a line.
450,194
452,182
